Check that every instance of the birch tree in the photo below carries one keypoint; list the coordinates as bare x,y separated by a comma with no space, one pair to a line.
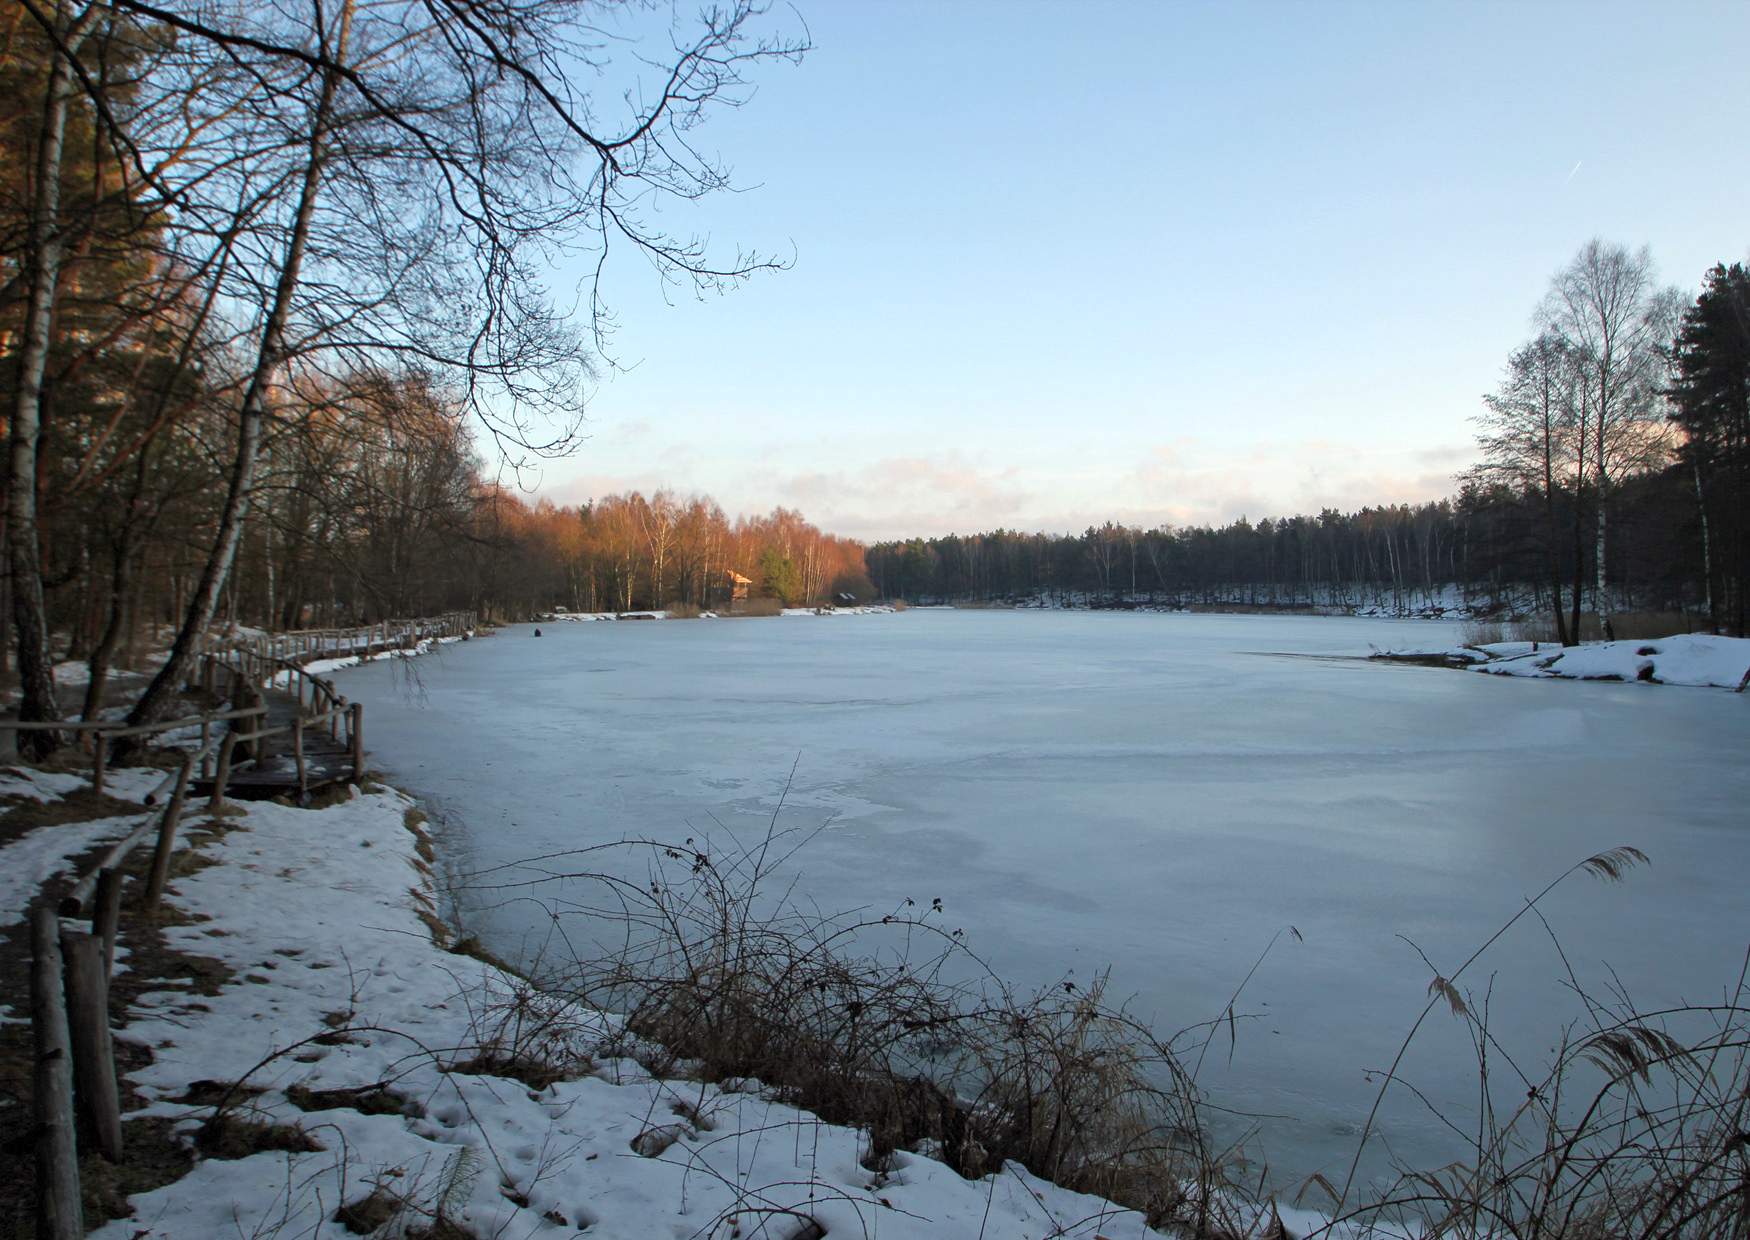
387,186
39,264
1606,305
1532,439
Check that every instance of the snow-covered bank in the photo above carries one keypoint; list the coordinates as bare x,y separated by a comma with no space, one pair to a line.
1696,659
1438,602
317,667
382,1079
580,617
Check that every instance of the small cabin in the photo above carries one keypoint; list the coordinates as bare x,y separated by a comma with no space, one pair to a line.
738,586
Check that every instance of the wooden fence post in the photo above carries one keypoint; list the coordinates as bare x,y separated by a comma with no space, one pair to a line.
356,718
93,1052
167,839
298,754
58,1215
99,756
106,908
222,772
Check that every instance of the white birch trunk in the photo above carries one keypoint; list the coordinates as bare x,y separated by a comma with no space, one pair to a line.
44,251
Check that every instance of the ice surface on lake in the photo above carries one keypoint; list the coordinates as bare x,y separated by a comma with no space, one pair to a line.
1159,793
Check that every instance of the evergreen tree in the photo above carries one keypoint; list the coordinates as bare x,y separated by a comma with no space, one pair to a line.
1711,403
779,577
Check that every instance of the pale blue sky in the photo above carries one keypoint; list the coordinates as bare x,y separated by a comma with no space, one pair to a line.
1156,262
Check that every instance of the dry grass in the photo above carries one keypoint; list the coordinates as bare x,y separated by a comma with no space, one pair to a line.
229,1135
23,814
681,611
755,607
1628,626
376,1099
1639,1129
1481,633
891,1024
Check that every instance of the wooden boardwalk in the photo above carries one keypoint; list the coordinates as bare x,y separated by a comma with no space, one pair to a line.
327,759
287,731
309,737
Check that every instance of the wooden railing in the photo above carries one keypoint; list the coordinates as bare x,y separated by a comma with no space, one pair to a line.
318,706
69,983
261,660
303,644
75,1075
97,735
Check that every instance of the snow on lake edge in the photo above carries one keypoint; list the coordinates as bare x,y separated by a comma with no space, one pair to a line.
319,914
1699,660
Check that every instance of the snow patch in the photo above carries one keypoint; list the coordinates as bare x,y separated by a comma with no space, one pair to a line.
338,987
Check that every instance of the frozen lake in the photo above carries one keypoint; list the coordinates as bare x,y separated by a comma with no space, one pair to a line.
1158,793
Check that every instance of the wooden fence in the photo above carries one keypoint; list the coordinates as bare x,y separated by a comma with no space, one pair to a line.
305,644
75,1079
263,660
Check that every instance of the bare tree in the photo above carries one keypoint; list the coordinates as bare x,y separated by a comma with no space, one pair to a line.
45,247
1533,439
1605,304
377,186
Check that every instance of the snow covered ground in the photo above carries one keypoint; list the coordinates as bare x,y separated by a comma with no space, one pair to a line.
575,617
1696,659
1686,659
1157,793
27,862
1444,601
338,986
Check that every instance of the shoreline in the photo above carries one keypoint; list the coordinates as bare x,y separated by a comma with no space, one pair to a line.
342,1063
1692,660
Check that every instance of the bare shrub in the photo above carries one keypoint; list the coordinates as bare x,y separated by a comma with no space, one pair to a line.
681,611
1481,633
890,1023
756,607
521,1032
1629,626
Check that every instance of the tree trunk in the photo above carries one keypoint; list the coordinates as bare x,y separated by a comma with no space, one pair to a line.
1555,533
44,250
1707,555
1601,590
249,421
103,653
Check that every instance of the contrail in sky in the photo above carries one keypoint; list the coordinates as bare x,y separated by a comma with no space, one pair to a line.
1575,169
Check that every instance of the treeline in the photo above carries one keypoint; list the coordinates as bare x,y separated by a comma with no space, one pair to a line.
1614,471
1628,389
370,501
1478,550
631,552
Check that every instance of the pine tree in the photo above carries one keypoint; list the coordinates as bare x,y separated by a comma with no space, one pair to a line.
779,577
1711,403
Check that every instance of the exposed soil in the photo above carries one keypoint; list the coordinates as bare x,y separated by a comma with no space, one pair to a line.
153,1155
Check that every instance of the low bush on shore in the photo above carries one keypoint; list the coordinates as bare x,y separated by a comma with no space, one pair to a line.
1637,1128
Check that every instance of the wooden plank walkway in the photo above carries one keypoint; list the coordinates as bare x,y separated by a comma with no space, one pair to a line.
327,760
279,741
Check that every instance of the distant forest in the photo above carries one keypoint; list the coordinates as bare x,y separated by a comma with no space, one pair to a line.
1482,550
1612,475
